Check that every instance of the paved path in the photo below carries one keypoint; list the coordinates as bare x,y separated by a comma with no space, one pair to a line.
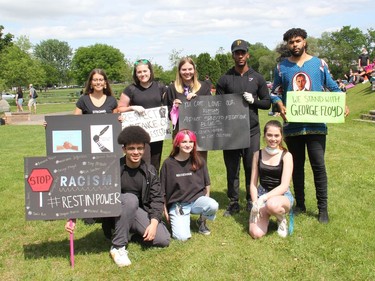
38,119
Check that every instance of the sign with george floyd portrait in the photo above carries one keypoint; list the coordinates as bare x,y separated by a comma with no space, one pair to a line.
72,186
83,134
220,122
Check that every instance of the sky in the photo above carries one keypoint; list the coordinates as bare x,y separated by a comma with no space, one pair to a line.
154,29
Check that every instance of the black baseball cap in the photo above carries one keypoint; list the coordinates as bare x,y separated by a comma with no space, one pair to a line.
240,44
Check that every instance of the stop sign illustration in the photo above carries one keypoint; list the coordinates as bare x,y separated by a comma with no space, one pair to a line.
40,180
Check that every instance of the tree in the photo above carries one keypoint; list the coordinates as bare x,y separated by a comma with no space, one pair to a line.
174,58
55,57
23,42
6,40
20,69
204,65
340,49
103,56
225,61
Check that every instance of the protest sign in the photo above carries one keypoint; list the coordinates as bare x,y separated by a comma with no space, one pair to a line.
72,186
155,121
83,134
315,107
220,122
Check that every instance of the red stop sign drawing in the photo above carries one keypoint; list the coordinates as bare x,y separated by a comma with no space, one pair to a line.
40,180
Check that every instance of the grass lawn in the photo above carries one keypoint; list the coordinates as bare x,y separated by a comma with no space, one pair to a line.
342,250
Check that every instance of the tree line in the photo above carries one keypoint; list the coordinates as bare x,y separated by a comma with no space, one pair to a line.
53,62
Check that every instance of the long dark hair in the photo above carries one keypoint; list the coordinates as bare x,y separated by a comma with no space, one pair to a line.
107,88
196,162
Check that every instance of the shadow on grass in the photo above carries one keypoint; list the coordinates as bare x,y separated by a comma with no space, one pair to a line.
94,242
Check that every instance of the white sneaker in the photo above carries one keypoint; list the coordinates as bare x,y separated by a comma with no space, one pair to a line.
120,256
282,230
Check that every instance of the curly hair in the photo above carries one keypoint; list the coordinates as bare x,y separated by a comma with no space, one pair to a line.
133,134
294,32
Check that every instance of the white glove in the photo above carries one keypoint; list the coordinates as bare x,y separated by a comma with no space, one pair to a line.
139,109
262,201
248,97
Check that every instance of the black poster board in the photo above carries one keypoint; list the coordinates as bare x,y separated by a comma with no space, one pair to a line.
83,134
220,122
72,186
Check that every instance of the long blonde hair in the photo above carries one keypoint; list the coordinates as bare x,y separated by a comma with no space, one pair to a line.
179,84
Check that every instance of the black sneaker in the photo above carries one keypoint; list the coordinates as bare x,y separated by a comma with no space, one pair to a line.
249,206
323,216
233,208
202,227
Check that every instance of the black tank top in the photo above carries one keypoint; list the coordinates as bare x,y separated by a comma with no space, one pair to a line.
270,176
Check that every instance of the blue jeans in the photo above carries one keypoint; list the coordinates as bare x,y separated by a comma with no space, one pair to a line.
316,146
204,205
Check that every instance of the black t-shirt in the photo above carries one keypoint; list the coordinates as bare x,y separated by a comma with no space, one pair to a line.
180,183
132,181
147,97
363,59
85,104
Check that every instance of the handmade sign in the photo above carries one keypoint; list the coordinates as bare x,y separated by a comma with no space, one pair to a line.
155,121
315,107
220,122
83,134
72,186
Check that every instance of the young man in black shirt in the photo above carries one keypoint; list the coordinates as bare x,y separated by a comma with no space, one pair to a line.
243,80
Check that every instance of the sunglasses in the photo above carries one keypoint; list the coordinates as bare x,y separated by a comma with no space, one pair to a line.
144,61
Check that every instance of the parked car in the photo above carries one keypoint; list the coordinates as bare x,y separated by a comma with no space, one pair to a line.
8,96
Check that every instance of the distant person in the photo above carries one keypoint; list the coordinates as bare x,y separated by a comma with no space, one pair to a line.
32,100
272,167
245,81
19,99
186,183
363,59
185,88
141,199
144,93
299,136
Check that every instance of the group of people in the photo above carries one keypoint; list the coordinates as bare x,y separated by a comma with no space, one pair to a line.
365,70
32,99
183,187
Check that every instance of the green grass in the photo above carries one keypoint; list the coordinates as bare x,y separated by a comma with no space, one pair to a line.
342,250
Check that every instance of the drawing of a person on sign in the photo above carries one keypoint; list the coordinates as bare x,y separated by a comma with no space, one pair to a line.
301,82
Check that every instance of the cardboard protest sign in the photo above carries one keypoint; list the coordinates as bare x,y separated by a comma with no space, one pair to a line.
83,134
315,107
72,186
220,122
155,121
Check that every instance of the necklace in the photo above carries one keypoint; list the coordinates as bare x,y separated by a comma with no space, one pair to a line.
272,151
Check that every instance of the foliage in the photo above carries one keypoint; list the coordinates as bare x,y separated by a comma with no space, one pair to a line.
56,57
19,69
5,40
99,56
341,49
